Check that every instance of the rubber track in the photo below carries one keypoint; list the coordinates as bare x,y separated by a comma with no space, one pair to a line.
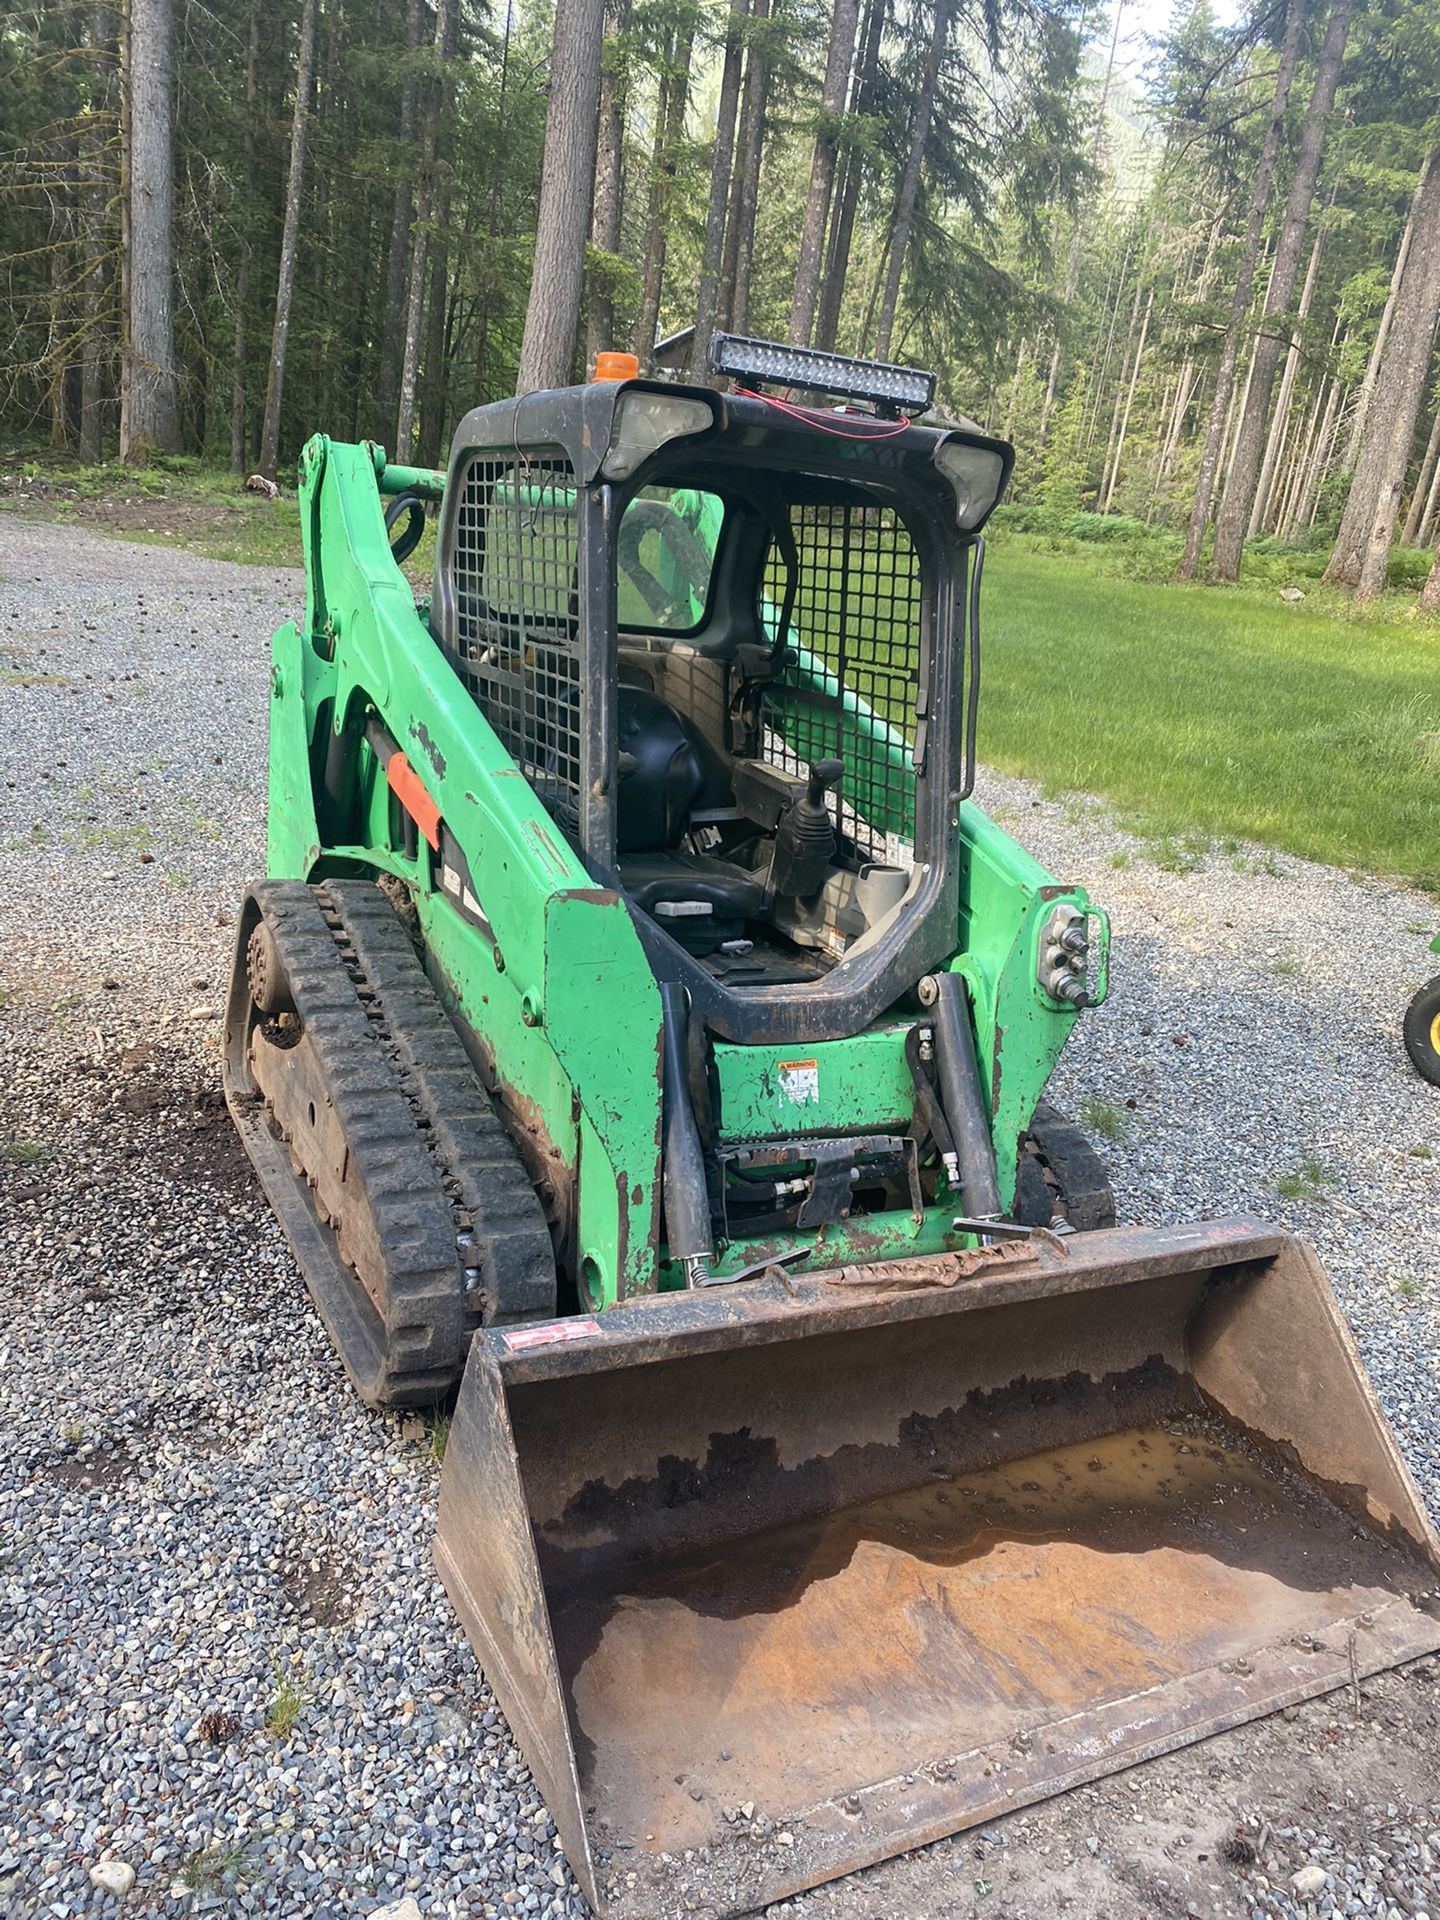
1059,1148
428,1157
476,1163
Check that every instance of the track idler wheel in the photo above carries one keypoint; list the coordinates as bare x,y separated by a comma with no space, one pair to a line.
269,988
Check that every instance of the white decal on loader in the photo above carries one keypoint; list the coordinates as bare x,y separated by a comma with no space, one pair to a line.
800,1082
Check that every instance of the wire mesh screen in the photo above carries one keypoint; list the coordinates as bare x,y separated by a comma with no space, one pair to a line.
852,693
517,631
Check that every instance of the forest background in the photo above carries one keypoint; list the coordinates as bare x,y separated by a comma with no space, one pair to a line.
1190,264
1204,296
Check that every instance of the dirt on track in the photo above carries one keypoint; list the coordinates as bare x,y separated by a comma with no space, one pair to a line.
193,1505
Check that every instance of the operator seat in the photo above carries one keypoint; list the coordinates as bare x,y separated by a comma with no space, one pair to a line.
667,769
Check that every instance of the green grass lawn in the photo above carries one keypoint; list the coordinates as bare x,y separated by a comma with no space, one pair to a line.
1217,711
172,503
1200,712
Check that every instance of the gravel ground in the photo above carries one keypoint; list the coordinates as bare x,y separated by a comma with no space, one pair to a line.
227,1663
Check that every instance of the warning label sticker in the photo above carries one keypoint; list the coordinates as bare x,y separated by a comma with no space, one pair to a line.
550,1333
800,1082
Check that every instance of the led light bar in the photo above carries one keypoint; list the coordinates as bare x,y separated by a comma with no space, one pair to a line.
768,363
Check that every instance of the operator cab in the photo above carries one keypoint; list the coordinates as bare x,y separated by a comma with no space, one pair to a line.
715,633
738,841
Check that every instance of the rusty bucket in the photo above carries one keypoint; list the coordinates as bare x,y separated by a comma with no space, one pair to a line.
775,1580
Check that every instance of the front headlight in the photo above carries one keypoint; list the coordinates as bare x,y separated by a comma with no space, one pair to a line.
976,474
645,421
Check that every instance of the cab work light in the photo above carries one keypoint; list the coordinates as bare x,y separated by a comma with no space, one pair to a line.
977,475
768,363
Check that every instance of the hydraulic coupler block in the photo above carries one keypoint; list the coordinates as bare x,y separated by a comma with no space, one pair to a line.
1064,964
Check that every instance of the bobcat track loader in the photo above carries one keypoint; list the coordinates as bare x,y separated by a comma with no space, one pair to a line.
642,1032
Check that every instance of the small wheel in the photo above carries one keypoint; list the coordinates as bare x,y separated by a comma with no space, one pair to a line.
1422,1031
264,973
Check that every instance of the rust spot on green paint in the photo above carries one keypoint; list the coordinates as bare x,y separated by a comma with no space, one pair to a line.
591,896
421,734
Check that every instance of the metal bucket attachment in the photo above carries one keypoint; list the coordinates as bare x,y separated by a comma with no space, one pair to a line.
776,1580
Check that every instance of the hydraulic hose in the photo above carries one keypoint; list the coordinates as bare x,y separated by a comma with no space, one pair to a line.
963,1099
687,1199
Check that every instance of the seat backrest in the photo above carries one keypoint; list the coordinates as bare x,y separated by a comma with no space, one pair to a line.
661,775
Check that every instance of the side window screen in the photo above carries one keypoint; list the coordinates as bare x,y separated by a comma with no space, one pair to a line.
666,550
852,688
520,521
517,639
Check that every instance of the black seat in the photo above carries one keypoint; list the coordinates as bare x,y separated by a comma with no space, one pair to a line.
667,769
662,773
658,880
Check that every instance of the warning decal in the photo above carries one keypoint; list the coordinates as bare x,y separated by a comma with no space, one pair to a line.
800,1082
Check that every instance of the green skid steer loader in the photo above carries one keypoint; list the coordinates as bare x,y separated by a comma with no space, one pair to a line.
641,1030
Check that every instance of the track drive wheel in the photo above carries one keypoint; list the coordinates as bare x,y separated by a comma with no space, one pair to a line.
1060,1175
1422,1031
401,1193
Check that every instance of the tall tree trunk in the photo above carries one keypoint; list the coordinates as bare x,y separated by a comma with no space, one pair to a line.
601,332
1430,592
1240,300
428,214
123,44
567,183
842,227
289,243
242,269
1321,409
1237,408
745,189
392,336
1281,412
1432,509
1109,491
669,130
1015,389
1170,445
61,328
843,26
1120,384
149,411
1096,390
1426,528
432,399
1324,447
647,314
1424,484
1240,484
92,350
1185,385
910,179
1362,546
1382,339
1287,514
1077,237
496,201
712,259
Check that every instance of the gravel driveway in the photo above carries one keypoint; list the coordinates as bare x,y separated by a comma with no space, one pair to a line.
227,1664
